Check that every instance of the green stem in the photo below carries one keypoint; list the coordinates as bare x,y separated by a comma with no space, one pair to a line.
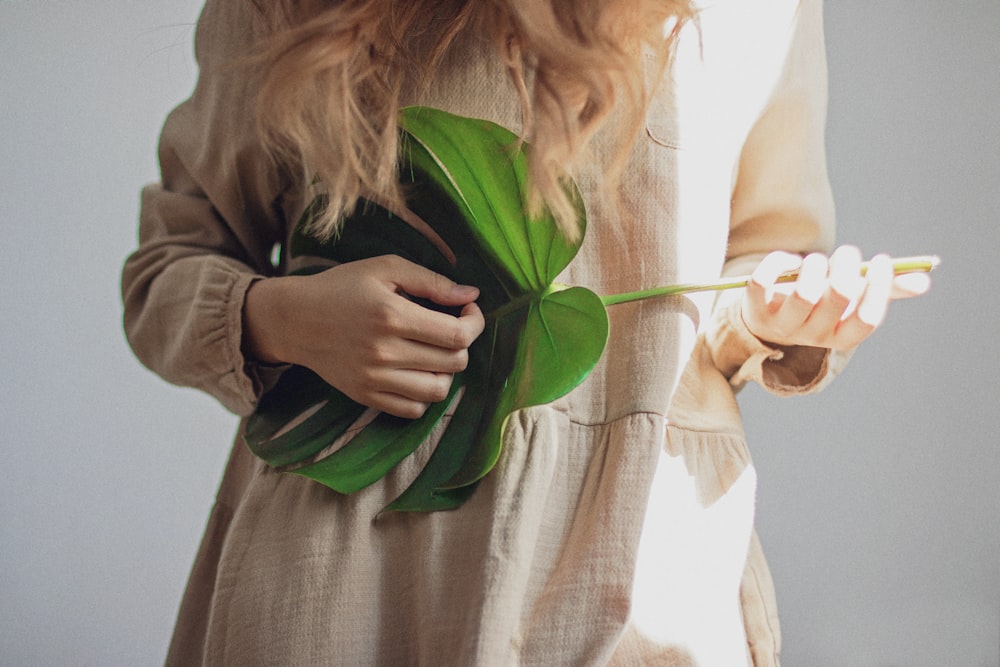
923,263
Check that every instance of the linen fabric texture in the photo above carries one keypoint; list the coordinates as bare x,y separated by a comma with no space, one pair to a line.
617,528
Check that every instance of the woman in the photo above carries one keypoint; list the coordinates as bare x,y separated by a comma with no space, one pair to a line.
617,527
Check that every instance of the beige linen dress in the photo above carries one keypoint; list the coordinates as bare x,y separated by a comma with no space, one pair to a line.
618,526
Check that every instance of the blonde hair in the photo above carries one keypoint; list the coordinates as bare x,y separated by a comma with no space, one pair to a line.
334,73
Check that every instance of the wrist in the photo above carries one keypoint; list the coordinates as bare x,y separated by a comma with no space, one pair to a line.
262,319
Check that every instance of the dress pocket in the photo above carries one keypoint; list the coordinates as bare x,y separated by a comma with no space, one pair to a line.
662,125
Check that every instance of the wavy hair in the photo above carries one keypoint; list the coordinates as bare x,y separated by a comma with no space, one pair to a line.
334,71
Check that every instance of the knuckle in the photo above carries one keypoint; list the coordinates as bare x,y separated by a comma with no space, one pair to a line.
365,383
460,339
401,410
461,361
414,410
388,318
383,352
440,390
379,355
393,262
478,325
465,336
441,284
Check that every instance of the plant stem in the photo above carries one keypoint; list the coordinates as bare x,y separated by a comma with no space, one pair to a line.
922,263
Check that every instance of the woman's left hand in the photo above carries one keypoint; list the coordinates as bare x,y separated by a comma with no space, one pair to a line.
830,304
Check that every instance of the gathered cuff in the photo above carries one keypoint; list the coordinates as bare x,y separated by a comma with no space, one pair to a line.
250,379
236,380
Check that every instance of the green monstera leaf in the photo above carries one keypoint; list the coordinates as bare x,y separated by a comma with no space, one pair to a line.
466,181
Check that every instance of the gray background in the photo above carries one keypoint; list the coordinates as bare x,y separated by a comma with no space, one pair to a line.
879,498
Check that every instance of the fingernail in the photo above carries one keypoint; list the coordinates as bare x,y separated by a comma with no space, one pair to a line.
465,291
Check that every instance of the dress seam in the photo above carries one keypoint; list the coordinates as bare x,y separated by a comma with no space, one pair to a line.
607,422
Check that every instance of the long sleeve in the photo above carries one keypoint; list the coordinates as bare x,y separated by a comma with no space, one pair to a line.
207,230
781,201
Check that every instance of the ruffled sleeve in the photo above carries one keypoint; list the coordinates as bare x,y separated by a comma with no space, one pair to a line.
781,201
207,230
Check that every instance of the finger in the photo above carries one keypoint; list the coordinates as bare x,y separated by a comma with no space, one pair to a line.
760,299
398,406
408,385
808,288
839,292
427,326
761,287
415,356
874,303
845,273
420,281
909,285
812,279
473,320
871,308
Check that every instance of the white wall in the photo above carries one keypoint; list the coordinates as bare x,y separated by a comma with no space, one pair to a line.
108,473
879,500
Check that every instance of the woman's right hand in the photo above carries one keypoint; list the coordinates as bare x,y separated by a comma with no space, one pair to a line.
829,304
356,327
